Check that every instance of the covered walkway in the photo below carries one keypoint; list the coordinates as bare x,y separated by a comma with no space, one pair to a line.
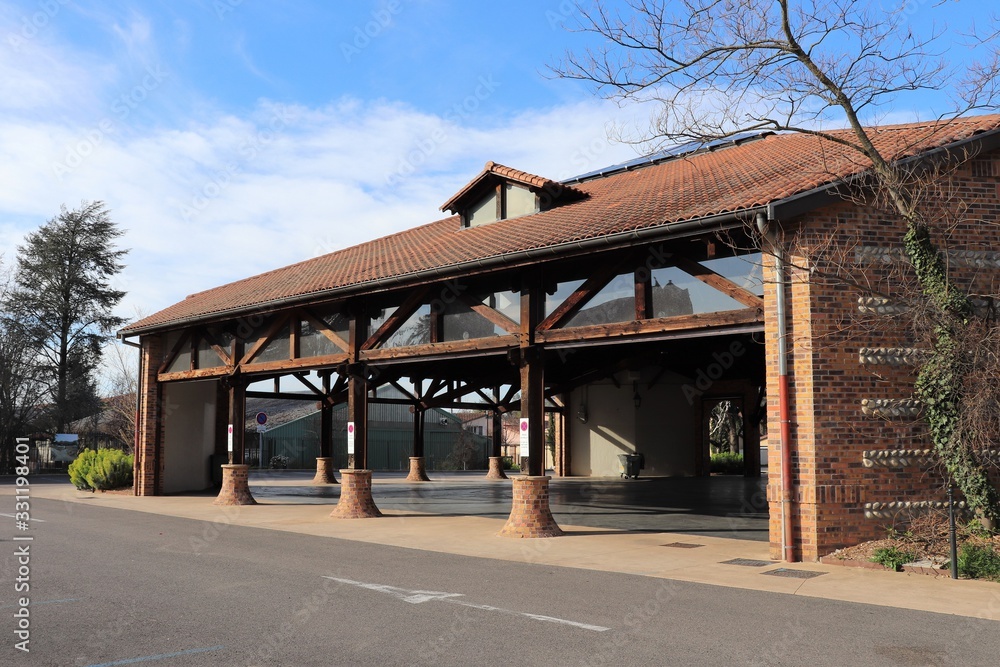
729,507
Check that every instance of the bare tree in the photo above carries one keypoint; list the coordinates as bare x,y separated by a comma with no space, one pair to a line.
718,68
22,389
122,383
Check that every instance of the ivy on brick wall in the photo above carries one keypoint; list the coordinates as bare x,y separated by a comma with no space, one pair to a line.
939,384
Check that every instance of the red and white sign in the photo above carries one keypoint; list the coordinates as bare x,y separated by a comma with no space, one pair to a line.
350,437
230,437
524,437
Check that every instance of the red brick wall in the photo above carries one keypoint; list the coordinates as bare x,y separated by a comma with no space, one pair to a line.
148,465
827,381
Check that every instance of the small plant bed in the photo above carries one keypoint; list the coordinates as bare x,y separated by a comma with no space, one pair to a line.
923,546
726,463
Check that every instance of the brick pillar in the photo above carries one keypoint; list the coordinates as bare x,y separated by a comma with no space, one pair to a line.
235,486
529,511
496,468
148,480
355,496
324,471
417,471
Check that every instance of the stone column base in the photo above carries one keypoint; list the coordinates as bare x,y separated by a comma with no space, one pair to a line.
355,496
529,512
417,471
496,468
235,486
324,471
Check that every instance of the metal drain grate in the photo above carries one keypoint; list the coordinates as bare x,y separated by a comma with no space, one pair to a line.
748,562
682,545
794,574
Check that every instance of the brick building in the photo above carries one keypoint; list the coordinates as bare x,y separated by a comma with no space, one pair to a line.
624,301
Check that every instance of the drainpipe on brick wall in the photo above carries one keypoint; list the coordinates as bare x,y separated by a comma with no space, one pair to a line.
785,436
138,399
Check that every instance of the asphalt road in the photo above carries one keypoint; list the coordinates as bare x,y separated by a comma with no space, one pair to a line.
114,587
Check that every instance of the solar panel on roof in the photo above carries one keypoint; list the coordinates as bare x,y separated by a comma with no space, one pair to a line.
676,151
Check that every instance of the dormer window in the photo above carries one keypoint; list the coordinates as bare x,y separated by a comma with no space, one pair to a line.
501,193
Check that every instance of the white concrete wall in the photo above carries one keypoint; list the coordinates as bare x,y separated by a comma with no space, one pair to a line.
189,435
663,428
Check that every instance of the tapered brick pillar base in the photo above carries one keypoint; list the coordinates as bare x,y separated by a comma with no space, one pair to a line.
529,511
355,496
417,471
324,471
235,486
496,468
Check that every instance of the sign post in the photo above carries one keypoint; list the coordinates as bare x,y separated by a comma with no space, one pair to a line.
523,445
261,430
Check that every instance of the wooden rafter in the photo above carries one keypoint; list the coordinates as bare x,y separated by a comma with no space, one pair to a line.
491,314
308,385
269,334
213,342
455,392
410,304
719,282
322,327
579,298
174,351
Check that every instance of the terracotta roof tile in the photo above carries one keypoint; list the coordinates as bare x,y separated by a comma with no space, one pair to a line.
725,180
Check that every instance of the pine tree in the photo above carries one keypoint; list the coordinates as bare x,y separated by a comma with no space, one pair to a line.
64,301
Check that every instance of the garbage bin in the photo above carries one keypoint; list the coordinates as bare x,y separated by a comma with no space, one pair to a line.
631,464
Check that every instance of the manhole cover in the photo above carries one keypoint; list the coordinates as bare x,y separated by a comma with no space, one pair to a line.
793,574
748,562
682,545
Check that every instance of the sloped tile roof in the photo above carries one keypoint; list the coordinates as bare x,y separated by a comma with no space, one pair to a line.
724,181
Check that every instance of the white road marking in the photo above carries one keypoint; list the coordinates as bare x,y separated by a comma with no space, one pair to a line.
419,597
30,519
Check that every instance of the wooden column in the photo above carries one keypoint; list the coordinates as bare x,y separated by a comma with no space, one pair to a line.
532,369
357,388
419,417
357,412
326,430
497,433
533,407
237,418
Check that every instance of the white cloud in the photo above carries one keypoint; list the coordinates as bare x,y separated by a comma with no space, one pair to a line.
211,196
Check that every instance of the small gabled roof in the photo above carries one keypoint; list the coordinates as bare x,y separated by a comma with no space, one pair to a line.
494,172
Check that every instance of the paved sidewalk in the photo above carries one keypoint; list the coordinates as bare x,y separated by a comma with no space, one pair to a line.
653,554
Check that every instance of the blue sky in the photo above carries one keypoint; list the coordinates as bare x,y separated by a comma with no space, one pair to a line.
231,137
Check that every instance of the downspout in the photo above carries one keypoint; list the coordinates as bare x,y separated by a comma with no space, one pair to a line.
785,435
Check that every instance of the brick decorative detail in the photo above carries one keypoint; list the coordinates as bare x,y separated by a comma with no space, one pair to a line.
893,509
977,259
898,458
324,471
355,496
235,486
496,468
891,356
879,305
418,473
891,408
529,512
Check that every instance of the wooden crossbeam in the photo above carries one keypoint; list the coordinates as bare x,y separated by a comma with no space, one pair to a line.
269,334
213,342
174,351
491,345
410,304
322,327
579,298
719,282
694,323
491,314
309,385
